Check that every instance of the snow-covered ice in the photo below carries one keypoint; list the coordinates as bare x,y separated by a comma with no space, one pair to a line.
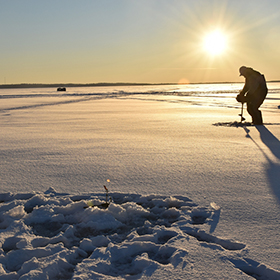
194,196
54,235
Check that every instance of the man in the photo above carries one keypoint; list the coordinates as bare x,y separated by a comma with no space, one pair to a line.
253,93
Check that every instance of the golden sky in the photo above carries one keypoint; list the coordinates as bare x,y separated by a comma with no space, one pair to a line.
154,41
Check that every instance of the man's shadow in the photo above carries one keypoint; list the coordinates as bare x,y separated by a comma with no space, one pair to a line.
273,168
269,140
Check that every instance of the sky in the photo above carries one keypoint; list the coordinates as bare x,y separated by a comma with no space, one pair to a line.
144,41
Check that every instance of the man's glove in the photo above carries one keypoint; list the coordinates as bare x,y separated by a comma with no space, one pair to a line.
241,98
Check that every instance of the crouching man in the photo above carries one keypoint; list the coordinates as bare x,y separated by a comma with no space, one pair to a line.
253,93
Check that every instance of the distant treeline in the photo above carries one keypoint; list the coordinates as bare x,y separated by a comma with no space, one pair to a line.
74,85
6,86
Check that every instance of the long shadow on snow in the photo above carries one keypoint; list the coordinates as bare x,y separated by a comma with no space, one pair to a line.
273,169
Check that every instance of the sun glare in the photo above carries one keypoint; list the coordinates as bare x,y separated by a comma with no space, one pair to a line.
215,43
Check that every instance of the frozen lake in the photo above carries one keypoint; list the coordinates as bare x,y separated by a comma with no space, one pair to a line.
163,140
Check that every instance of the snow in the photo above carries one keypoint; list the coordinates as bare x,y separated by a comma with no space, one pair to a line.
60,235
192,194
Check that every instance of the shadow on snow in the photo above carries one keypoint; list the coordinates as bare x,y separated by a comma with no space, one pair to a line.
273,168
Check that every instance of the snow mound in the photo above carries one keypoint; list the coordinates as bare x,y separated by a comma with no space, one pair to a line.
61,236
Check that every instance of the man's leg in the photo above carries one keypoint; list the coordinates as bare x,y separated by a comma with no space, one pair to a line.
258,118
256,114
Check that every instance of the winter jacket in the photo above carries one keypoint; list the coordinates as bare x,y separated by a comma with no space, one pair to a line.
255,86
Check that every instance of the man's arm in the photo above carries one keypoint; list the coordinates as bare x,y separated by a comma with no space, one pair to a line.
244,90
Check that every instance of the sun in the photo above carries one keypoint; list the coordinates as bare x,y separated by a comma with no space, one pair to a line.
215,43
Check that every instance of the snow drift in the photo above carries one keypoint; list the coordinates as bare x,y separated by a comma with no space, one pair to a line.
61,236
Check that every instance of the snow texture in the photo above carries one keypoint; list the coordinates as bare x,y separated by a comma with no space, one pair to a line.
54,235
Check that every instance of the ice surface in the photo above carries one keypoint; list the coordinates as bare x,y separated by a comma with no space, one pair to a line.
194,195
